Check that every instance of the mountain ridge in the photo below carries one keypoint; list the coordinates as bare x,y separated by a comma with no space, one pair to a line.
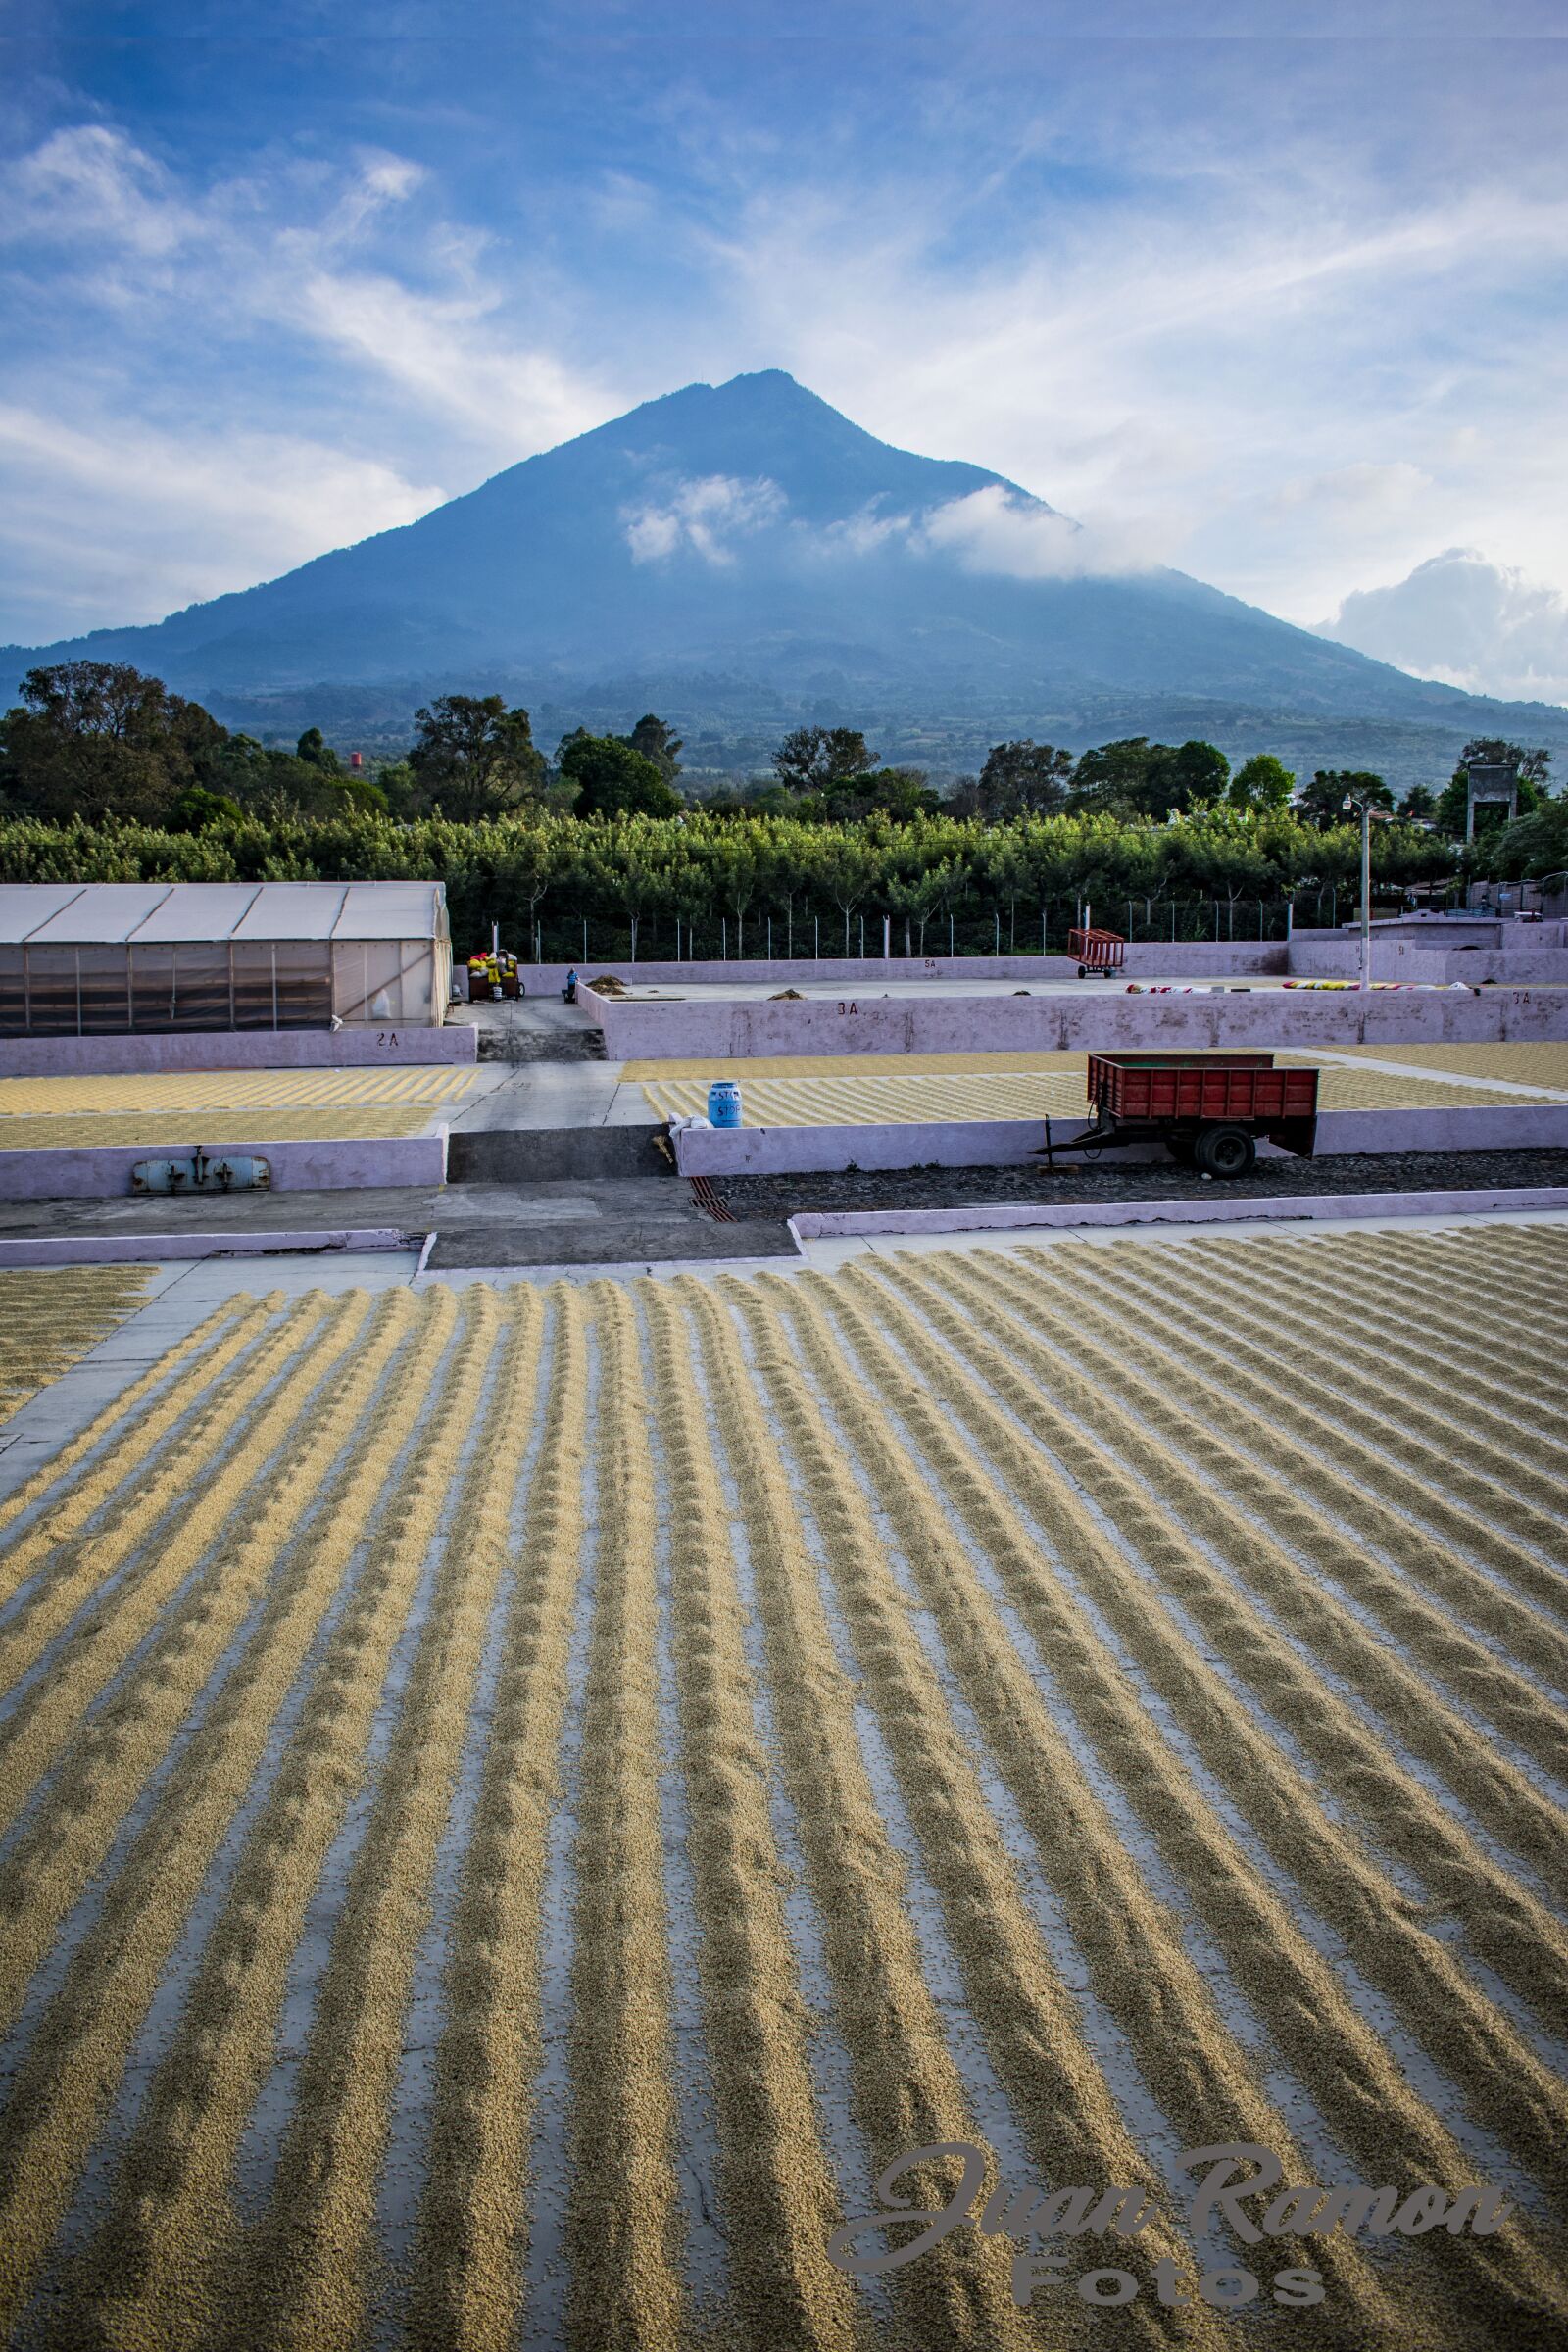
750,530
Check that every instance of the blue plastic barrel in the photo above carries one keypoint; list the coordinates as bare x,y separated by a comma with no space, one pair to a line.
724,1103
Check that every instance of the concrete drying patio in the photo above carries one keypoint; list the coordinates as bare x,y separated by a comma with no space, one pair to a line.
517,1805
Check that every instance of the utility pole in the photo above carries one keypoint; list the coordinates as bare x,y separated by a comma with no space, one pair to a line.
1350,804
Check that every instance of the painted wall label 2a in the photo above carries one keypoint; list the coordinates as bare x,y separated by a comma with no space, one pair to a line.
1231,2171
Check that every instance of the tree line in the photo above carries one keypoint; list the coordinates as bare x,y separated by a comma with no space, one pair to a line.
106,777
699,883
101,740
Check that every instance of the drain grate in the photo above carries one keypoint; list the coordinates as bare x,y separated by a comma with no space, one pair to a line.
709,1201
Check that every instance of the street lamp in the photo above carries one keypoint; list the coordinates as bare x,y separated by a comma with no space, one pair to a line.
1362,802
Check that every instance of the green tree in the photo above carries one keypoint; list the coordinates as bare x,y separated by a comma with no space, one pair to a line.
196,809
656,743
1532,846
101,738
920,897
736,869
1531,768
1114,776
846,870
314,749
1261,782
1004,870
1134,777
1322,801
474,756
627,853
1419,802
1197,771
810,759
900,793
613,780
1022,778
535,857
1221,853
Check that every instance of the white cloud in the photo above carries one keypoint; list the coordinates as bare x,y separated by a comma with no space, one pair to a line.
1466,622
862,534
996,530
92,182
703,515
1254,365
443,350
149,457
122,523
1280,316
993,530
287,246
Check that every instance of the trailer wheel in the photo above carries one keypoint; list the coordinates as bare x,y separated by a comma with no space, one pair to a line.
1083,972
1225,1151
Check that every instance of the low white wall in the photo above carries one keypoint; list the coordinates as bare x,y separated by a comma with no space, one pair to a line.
798,1151
1003,1142
235,1049
1224,1205
1510,1127
727,1030
1429,956
102,1172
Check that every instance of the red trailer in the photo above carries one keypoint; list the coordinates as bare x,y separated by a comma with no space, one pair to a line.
1208,1109
1097,951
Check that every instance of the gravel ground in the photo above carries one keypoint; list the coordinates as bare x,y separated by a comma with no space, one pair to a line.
955,1187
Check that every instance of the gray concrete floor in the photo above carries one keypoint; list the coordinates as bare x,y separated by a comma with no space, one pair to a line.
872,984
553,1094
591,1221
577,1220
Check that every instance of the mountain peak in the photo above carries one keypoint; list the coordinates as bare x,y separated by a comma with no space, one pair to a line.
748,530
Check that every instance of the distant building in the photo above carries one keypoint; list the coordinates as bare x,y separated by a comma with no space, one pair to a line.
1492,784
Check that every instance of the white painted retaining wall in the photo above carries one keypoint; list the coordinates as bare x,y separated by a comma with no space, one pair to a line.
1329,956
1224,1205
102,1172
235,1049
1005,1143
724,1029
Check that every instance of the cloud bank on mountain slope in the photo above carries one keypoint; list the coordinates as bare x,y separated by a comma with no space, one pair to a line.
995,530
1467,623
703,516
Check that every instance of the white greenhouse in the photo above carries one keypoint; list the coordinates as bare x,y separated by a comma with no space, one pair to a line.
102,959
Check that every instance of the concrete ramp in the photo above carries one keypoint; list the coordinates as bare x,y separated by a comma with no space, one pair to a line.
550,1154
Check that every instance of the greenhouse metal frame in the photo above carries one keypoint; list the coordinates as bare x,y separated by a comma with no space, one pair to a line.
113,958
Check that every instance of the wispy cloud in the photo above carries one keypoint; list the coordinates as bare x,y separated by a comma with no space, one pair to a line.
91,180
995,530
119,521
705,516
161,455
1285,313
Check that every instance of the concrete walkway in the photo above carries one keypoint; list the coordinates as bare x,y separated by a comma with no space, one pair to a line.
553,1094
574,1220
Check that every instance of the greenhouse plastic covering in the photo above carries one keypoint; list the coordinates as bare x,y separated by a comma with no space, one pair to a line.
107,958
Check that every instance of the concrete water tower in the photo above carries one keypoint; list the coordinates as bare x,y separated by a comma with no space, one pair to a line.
1493,783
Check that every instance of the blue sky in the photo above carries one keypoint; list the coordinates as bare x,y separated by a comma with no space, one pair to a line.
1286,309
